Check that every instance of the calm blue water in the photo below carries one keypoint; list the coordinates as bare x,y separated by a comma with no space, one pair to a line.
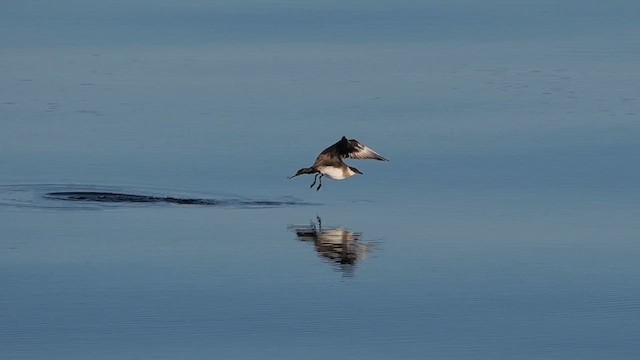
505,225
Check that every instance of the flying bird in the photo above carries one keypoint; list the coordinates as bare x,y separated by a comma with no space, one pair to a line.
330,163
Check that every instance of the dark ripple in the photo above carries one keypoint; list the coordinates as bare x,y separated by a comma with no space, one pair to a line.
110,197
95,197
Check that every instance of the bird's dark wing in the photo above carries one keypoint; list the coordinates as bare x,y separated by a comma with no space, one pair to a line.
352,149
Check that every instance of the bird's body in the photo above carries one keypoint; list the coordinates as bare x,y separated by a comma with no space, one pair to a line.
329,163
336,173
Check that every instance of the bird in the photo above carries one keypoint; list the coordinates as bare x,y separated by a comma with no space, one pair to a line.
330,163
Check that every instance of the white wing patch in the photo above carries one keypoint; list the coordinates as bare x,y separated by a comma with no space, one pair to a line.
361,151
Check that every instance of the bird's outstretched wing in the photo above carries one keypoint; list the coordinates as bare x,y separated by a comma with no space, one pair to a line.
352,149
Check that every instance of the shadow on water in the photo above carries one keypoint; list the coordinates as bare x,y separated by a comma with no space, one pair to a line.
338,246
98,197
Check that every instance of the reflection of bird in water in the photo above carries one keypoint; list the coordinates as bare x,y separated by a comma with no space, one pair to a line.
330,163
339,246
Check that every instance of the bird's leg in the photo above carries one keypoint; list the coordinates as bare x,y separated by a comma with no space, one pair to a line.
320,184
314,181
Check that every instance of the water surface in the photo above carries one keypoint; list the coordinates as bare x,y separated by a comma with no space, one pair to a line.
503,227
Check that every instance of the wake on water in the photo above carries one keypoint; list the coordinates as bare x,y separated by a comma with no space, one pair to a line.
95,197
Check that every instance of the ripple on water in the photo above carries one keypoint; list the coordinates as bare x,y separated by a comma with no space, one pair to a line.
94,197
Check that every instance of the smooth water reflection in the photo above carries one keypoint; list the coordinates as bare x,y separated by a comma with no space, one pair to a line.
338,246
